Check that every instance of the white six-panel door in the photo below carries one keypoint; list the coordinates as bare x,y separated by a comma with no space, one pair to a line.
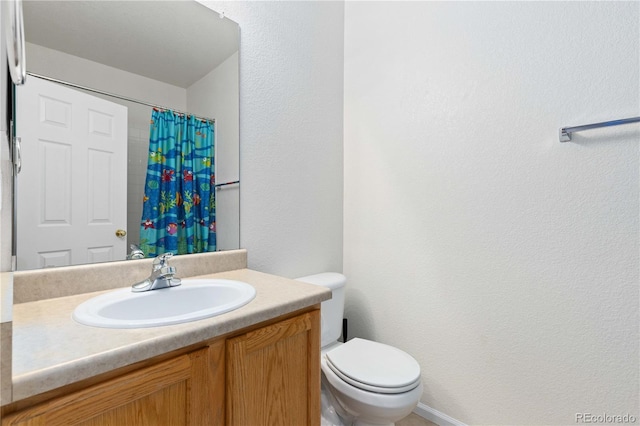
72,189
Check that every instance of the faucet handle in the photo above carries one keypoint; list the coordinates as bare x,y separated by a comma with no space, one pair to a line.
161,261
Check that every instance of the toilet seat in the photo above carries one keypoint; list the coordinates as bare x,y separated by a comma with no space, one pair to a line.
374,367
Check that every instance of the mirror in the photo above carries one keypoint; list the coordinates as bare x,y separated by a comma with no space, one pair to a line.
175,55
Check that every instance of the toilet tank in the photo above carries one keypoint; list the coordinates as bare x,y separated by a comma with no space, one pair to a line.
332,310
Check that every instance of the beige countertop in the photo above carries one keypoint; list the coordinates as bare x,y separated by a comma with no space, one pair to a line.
51,350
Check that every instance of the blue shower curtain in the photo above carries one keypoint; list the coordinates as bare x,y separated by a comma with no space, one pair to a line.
179,206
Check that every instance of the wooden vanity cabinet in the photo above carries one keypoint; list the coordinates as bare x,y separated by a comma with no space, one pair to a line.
172,392
269,375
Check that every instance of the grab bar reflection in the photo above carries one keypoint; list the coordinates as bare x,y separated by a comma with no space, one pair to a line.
565,132
221,185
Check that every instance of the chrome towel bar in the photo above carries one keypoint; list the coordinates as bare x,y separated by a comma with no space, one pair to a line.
565,132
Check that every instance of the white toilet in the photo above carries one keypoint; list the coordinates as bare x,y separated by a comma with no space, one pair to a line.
364,382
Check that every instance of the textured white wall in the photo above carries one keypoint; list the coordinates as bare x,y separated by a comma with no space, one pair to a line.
504,261
291,109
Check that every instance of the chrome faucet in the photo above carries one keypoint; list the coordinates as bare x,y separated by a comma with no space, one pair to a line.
161,275
136,253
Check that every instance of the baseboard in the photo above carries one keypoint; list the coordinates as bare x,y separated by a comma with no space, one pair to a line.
436,416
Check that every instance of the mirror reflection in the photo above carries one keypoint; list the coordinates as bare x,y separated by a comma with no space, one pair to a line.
129,128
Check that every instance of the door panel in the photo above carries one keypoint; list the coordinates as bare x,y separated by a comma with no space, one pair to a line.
55,183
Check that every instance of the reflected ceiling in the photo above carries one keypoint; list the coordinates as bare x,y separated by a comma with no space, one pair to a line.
74,27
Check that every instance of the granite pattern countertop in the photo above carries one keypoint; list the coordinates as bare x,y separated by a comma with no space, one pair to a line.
51,350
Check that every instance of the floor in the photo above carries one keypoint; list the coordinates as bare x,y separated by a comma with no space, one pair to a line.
414,420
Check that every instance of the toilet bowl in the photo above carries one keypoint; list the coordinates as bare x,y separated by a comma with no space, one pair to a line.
374,384
365,382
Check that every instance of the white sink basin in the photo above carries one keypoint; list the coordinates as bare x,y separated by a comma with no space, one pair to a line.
193,300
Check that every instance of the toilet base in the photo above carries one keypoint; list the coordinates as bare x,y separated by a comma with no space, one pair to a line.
329,415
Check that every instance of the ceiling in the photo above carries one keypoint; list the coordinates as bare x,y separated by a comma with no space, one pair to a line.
177,42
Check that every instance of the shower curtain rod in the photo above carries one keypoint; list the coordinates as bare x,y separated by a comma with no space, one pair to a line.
124,98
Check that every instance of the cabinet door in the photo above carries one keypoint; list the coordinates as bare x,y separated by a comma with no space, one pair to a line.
273,374
173,392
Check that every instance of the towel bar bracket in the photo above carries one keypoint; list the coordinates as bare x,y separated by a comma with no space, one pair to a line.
565,132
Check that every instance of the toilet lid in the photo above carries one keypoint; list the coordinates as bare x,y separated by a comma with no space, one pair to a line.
374,366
